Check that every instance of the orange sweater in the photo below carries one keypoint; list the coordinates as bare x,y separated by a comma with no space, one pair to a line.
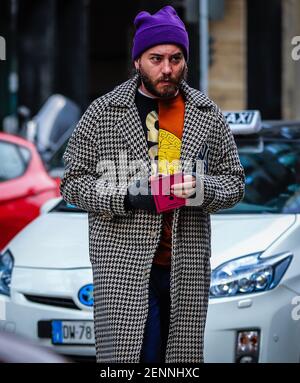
171,120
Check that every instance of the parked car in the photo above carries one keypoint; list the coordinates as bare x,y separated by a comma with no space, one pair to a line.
46,284
50,295
24,185
255,282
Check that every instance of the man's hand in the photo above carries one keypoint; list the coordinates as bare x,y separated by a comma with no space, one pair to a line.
185,189
139,196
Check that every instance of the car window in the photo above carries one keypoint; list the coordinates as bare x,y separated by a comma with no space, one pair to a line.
13,162
272,183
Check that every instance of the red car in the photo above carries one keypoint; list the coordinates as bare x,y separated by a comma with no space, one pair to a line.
24,185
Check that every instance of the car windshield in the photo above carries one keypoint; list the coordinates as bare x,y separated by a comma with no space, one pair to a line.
271,161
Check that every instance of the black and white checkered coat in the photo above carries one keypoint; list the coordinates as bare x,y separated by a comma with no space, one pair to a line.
122,243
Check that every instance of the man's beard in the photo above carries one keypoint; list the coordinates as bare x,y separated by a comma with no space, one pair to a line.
170,90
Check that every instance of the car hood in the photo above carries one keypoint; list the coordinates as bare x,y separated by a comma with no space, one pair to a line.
235,235
53,240
60,240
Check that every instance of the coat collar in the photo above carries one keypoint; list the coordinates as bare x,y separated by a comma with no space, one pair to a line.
196,120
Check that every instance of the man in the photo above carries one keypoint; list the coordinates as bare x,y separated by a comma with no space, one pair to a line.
151,270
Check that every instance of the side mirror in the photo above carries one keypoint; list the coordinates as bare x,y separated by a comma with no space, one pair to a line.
47,206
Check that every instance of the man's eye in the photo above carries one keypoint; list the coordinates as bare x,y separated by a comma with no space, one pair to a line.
176,59
156,59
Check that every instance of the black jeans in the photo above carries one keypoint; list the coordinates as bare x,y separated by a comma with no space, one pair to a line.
157,324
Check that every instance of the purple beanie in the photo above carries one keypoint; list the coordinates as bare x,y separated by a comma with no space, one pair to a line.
163,27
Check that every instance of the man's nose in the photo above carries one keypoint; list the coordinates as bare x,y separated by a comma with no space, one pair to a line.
166,69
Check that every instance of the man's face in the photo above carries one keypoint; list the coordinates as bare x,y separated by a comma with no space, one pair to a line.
162,67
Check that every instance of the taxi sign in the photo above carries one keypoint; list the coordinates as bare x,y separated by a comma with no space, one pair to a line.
243,122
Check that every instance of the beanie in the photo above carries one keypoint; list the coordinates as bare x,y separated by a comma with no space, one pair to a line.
163,27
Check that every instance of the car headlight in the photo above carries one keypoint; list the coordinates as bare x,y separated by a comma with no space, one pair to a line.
6,267
249,274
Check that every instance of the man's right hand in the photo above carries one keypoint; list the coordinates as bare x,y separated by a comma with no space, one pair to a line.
139,195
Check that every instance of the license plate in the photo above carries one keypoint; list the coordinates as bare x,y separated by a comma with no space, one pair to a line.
73,332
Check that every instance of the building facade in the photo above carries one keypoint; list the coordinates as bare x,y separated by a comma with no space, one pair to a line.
81,48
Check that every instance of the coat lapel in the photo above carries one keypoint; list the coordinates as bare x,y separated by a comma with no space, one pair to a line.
197,122
130,125
133,133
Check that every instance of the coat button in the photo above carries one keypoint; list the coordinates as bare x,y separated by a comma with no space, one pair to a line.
153,233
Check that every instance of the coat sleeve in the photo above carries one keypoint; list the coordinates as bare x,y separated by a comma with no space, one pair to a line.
224,186
82,184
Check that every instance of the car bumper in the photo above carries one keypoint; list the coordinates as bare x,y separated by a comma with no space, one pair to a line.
24,316
269,312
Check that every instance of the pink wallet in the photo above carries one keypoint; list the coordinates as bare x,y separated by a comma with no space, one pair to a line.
160,189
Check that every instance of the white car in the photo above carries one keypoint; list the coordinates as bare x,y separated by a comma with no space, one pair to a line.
254,309
50,297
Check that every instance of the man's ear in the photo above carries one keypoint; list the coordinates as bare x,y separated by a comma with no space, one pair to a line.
137,64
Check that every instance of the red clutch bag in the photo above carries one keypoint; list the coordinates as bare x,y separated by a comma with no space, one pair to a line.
160,189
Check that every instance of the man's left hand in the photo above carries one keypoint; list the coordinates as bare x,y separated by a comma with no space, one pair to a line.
185,189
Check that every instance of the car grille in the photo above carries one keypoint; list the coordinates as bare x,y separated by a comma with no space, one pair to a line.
67,303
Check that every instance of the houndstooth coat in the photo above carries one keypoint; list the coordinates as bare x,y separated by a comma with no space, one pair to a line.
122,243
